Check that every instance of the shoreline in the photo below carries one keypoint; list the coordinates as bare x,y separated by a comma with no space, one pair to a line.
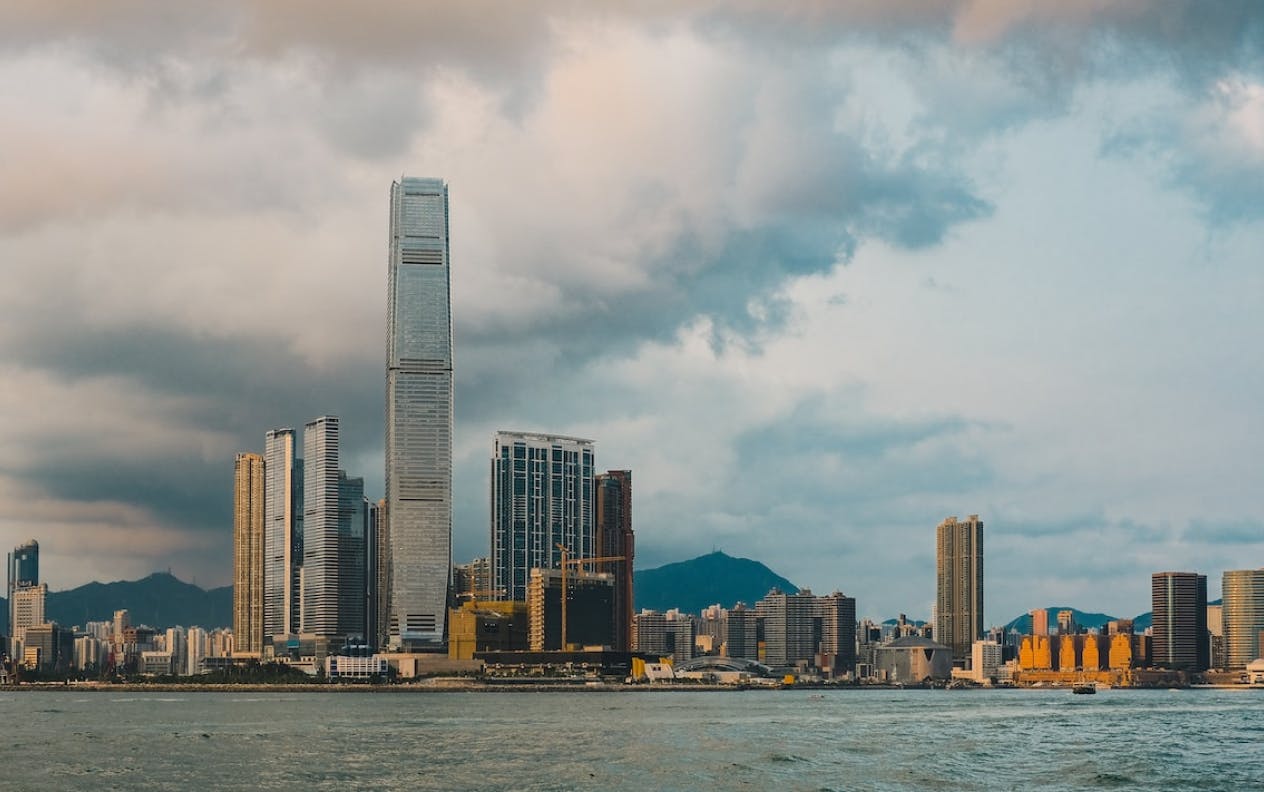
461,686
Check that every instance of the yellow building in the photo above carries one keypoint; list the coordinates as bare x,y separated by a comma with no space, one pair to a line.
483,626
1067,659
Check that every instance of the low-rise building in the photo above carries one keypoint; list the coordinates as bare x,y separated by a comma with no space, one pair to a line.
913,659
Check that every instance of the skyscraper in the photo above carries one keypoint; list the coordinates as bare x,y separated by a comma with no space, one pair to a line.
418,414
282,533
541,497
1243,616
320,527
352,558
613,513
248,552
26,593
959,591
1179,625
378,582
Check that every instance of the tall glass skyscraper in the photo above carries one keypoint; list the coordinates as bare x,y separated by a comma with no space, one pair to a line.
418,414
541,497
282,533
1243,612
321,494
1178,602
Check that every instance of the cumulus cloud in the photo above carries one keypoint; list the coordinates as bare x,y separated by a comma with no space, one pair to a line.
699,235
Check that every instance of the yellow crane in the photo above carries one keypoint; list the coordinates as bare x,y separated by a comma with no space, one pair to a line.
577,562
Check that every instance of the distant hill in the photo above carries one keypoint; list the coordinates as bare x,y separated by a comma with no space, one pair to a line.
706,580
1088,620
160,601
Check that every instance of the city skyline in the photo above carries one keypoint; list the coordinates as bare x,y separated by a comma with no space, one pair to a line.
766,236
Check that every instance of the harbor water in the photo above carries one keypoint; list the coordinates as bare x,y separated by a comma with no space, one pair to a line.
634,740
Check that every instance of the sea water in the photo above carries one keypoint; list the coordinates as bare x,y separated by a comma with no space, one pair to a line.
634,740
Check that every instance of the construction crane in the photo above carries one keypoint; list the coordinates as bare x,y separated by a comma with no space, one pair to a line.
577,562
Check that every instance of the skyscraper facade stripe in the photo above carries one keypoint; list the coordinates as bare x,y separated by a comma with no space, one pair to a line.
541,497
959,590
248,553
1179,626
320,527
283,533
1243,616
418,414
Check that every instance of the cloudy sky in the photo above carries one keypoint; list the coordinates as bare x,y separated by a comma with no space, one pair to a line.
819,274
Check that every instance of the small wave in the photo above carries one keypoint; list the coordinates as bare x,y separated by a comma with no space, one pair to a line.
780,757
1112,780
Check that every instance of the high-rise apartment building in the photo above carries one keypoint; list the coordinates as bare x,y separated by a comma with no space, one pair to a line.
959,590
320,527
662,634
804,628
1040,622
473,581
1242,616
282,533
1179,625
613,513
418,414
541,498
248,552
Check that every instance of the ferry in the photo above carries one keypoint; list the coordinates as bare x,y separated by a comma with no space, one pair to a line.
1084,688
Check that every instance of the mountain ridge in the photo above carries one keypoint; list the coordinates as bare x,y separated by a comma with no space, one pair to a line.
698,583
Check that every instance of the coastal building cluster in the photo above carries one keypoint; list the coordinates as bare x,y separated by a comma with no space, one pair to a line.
332,583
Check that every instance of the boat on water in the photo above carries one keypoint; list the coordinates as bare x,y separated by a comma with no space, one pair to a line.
1084,688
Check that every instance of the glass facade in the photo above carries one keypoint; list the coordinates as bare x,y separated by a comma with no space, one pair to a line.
541,496
321,494
282,533
353,519
1243,616
418,414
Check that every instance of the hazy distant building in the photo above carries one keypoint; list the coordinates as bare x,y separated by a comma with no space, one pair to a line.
248,551
418,413
321,478
1242,616
282,533
663,634
613,515
959,591
589,596
473,581
742,633
1179,626
804,629
541,497
1066,622
1040,622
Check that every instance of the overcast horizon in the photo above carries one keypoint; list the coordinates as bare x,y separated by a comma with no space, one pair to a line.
820,276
